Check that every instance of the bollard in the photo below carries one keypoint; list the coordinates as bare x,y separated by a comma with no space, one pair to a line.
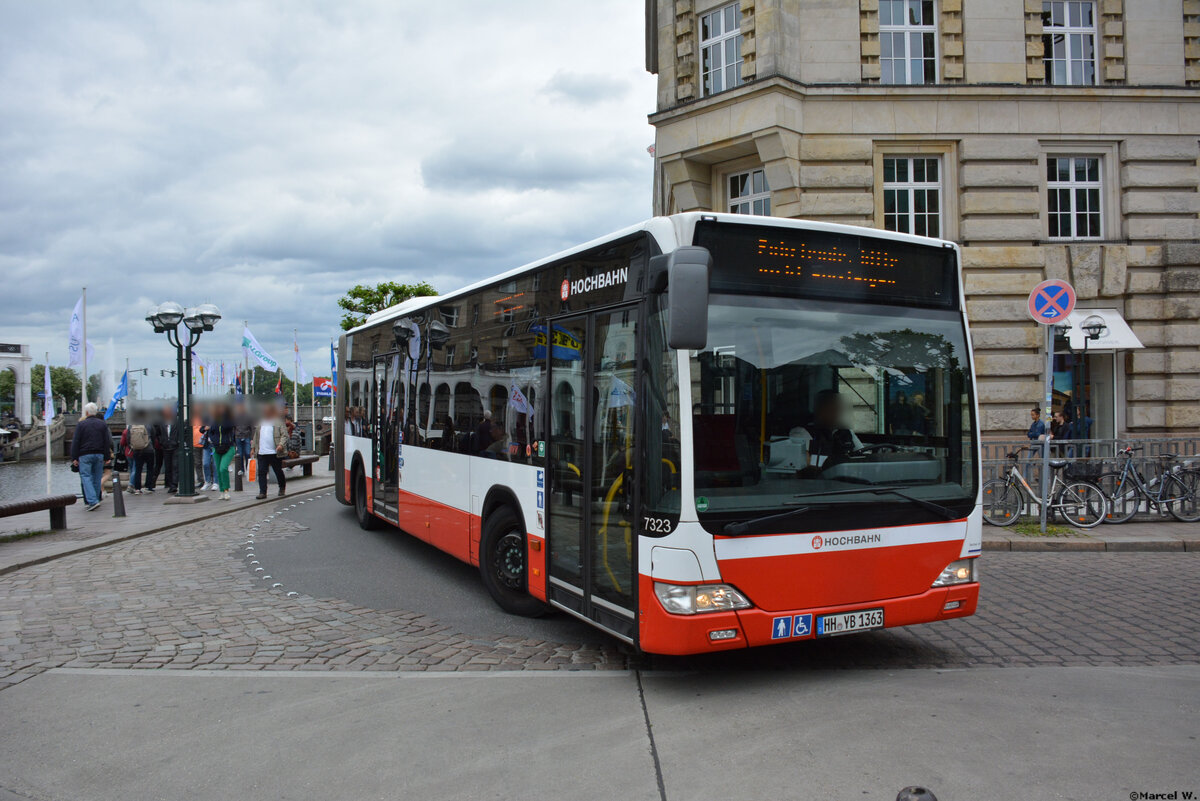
237,473
915,794
118,496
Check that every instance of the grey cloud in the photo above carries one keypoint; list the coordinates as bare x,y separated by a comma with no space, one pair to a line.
268,157
586,88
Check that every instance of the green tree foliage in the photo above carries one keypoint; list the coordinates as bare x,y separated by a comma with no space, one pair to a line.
363,301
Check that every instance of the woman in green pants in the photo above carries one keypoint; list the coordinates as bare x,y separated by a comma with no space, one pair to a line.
222,435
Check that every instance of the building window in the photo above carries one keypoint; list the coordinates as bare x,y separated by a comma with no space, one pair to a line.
1073,197
450,349
721,49
1069,42
912,195
501,356
749,193
907,42
450,316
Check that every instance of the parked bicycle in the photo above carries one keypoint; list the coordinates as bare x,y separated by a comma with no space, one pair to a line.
1080,503
1175,490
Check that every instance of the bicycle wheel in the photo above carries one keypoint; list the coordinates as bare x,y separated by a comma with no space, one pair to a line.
1181,495
1001,503
1124,500
1082,504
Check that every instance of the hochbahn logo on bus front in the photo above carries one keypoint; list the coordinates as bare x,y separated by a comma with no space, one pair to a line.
817,543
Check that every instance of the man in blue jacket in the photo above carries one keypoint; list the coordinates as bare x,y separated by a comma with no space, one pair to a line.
91,447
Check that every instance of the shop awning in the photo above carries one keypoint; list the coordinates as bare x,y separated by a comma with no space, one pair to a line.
1116,336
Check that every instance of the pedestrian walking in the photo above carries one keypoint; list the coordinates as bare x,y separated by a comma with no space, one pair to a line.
141,454
222,436
170,448
270,443
243,431
157,435
91,447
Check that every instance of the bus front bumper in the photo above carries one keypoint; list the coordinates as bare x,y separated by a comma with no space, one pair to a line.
668,634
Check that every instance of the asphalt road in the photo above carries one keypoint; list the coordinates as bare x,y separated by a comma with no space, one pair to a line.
386,569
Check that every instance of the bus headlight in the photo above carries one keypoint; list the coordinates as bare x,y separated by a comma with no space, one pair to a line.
960,571
690,600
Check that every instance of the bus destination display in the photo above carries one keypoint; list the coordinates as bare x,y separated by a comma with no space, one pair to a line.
752,258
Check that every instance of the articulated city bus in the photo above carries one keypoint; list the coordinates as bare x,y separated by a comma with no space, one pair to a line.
704,432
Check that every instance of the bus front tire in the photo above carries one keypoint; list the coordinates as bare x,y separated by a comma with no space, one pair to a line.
503,562
366,520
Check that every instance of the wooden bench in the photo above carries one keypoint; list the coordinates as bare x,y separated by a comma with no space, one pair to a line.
56,504
304,460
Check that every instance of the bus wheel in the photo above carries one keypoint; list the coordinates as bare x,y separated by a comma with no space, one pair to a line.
366,520
502,563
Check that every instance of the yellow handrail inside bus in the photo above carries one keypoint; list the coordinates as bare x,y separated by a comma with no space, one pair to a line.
576,469
608,501
670,464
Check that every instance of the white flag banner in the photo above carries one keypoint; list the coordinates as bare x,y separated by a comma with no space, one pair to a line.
620,394
49,408
75,338
302,376
252,349
517,399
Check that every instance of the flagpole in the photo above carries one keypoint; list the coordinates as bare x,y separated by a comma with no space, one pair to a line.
83,383
296,383
127,391
46,415
245,364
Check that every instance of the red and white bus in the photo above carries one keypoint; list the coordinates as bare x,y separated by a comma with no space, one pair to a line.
704,432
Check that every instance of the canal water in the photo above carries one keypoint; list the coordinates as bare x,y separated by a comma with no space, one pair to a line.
20,480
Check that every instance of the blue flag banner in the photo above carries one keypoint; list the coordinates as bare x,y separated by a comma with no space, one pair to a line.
332,368
121,391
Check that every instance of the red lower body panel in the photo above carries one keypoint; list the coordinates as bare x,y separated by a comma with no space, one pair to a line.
664,633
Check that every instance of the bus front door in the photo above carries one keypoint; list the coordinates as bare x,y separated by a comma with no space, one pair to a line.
387,435
590,464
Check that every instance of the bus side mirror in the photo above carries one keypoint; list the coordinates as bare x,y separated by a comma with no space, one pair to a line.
688,270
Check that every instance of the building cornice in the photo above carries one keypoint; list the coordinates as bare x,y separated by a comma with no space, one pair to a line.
854,91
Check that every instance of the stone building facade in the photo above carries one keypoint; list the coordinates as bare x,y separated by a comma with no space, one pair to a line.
1050,139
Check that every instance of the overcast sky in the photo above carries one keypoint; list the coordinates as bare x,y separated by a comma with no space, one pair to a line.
267,156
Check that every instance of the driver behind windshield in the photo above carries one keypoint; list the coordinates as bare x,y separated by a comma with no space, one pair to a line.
827,436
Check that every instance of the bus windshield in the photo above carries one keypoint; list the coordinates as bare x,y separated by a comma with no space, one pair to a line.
801,403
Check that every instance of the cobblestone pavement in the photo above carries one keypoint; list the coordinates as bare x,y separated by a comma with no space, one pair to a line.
193,598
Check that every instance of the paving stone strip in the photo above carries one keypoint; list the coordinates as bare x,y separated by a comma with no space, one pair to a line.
191,599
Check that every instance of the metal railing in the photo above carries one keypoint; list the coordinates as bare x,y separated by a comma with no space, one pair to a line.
1087,458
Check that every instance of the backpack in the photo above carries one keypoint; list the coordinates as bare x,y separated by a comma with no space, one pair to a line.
139,437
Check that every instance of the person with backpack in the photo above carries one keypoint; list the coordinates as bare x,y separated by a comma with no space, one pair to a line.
139,447
222,439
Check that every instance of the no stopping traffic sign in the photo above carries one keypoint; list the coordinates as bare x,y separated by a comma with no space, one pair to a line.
1051,301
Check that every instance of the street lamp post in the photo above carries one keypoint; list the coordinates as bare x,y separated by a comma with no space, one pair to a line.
166,318
1093,328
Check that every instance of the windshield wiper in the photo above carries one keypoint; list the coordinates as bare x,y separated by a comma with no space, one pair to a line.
944,511
745,526
936,508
